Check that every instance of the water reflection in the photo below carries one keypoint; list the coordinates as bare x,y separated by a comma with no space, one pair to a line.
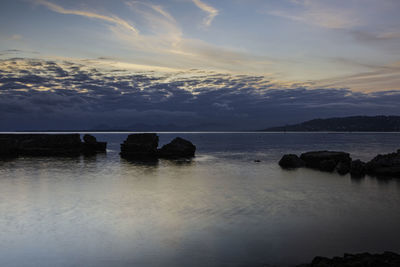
218,209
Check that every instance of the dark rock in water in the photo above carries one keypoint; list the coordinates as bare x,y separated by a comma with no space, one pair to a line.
386,259
327,165
89,139
325,160
384,165
357,168
49,144
257,160
43,145
343,167
291,161
91,146
8,148
140,146
177,148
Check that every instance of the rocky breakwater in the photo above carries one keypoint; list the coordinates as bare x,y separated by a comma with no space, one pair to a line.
145,147
14,145
381,166
327,161
386,259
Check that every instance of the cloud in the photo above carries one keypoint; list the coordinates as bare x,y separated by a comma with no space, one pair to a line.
320,13
162,43
211,11
47,94
378,78
112,19
14,37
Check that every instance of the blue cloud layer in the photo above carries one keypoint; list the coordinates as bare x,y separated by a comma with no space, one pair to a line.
38,94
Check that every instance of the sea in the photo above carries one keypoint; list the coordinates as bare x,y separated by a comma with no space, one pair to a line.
231,205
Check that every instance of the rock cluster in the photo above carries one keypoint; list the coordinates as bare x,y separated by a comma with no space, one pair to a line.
384,165
177,148
14,145
140,146
291,161
381,166
386,259
144,147
92,146
327,160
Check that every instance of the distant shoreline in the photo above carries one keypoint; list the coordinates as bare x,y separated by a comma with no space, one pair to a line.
200,132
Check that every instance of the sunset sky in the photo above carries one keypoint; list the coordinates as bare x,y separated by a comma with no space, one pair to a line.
202,64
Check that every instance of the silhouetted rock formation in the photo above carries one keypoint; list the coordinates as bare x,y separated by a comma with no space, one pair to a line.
177,148
381,166
291,161
8,147
343,167
384,165
326,160
345,124
386,259
144,146
357,168
140,146
91,146
13,145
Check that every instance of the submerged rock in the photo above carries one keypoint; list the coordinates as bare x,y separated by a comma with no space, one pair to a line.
384,165
140,146
357,168
325,160
291,161
386,259
177,148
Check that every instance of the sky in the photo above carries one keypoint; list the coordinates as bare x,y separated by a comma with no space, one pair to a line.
195,64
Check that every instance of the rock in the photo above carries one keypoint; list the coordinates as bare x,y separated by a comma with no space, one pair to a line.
325,160
386,259
384,165
257,160
8,148
91,146
43,145
140,146
291,161
357,168
327,165
343,167
49,144
177,148
89,139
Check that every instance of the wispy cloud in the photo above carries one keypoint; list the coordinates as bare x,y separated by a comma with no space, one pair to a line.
112,19
163,38
319,13
211,11
14,37
379,78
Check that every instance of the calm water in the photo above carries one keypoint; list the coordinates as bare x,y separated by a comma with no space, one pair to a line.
221,209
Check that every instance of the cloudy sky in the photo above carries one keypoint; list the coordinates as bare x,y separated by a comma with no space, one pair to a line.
195,64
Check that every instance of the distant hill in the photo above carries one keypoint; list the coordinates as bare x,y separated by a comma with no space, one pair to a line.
345,124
